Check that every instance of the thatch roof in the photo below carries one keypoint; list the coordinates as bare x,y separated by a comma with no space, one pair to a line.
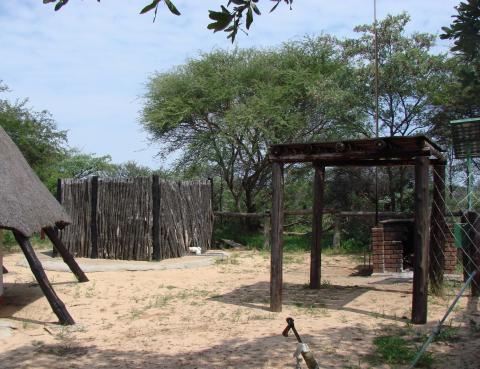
26,205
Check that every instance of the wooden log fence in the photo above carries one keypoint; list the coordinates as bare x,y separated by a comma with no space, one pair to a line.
141,218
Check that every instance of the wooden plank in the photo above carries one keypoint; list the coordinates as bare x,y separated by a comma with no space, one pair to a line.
276,272
352,157
317,227
365,144
421,243
56,304
239,215
66,256
438,228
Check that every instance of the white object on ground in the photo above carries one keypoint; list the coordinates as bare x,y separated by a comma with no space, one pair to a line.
196,250
301,347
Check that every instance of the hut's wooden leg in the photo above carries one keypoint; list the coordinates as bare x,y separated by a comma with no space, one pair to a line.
421,243
66,256
57,305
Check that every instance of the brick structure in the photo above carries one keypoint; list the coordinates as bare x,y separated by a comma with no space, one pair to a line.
450,252
391,243
392,247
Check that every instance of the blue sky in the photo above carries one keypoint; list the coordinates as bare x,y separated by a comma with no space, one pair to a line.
88,63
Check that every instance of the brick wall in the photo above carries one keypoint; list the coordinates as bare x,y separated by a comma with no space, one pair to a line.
391,240
377,250
450,252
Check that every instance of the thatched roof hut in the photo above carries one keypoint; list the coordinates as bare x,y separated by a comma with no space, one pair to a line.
26,205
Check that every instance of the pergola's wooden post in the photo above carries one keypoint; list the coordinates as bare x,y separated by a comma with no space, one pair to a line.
276,277
316,251
421,242
66,256
57,305
437,227
475,287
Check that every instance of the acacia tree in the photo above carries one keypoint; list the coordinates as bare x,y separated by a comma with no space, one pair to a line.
410,76
224,109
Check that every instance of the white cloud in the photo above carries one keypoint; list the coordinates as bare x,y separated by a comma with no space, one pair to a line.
87,64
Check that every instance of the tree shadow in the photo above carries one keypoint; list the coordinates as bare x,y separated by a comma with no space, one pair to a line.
333,347
19,295
335,297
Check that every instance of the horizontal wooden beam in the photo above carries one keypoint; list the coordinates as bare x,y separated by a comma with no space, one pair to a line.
309,212
362,162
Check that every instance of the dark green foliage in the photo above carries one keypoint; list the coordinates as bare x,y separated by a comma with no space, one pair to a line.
465,33
465,30
36,135
230,21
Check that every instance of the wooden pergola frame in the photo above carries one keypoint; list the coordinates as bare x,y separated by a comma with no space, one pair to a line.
417,151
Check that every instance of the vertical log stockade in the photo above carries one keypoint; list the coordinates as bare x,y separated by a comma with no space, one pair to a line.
417,151
143,218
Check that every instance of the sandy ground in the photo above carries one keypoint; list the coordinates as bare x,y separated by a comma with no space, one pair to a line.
217,317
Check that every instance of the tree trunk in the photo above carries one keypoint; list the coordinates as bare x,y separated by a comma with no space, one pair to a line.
391,189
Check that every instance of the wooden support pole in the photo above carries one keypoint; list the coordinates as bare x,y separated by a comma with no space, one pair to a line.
438,228
276,273
421,242
66,256
93,217
317,230
471,250
475,287
57,305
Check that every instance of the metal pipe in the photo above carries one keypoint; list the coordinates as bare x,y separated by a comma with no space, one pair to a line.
438,327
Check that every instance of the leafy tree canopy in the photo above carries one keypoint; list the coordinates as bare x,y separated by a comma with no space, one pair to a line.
35,133
409,74
225,108
465,30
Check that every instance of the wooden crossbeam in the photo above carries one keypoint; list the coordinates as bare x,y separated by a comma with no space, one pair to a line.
66,256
